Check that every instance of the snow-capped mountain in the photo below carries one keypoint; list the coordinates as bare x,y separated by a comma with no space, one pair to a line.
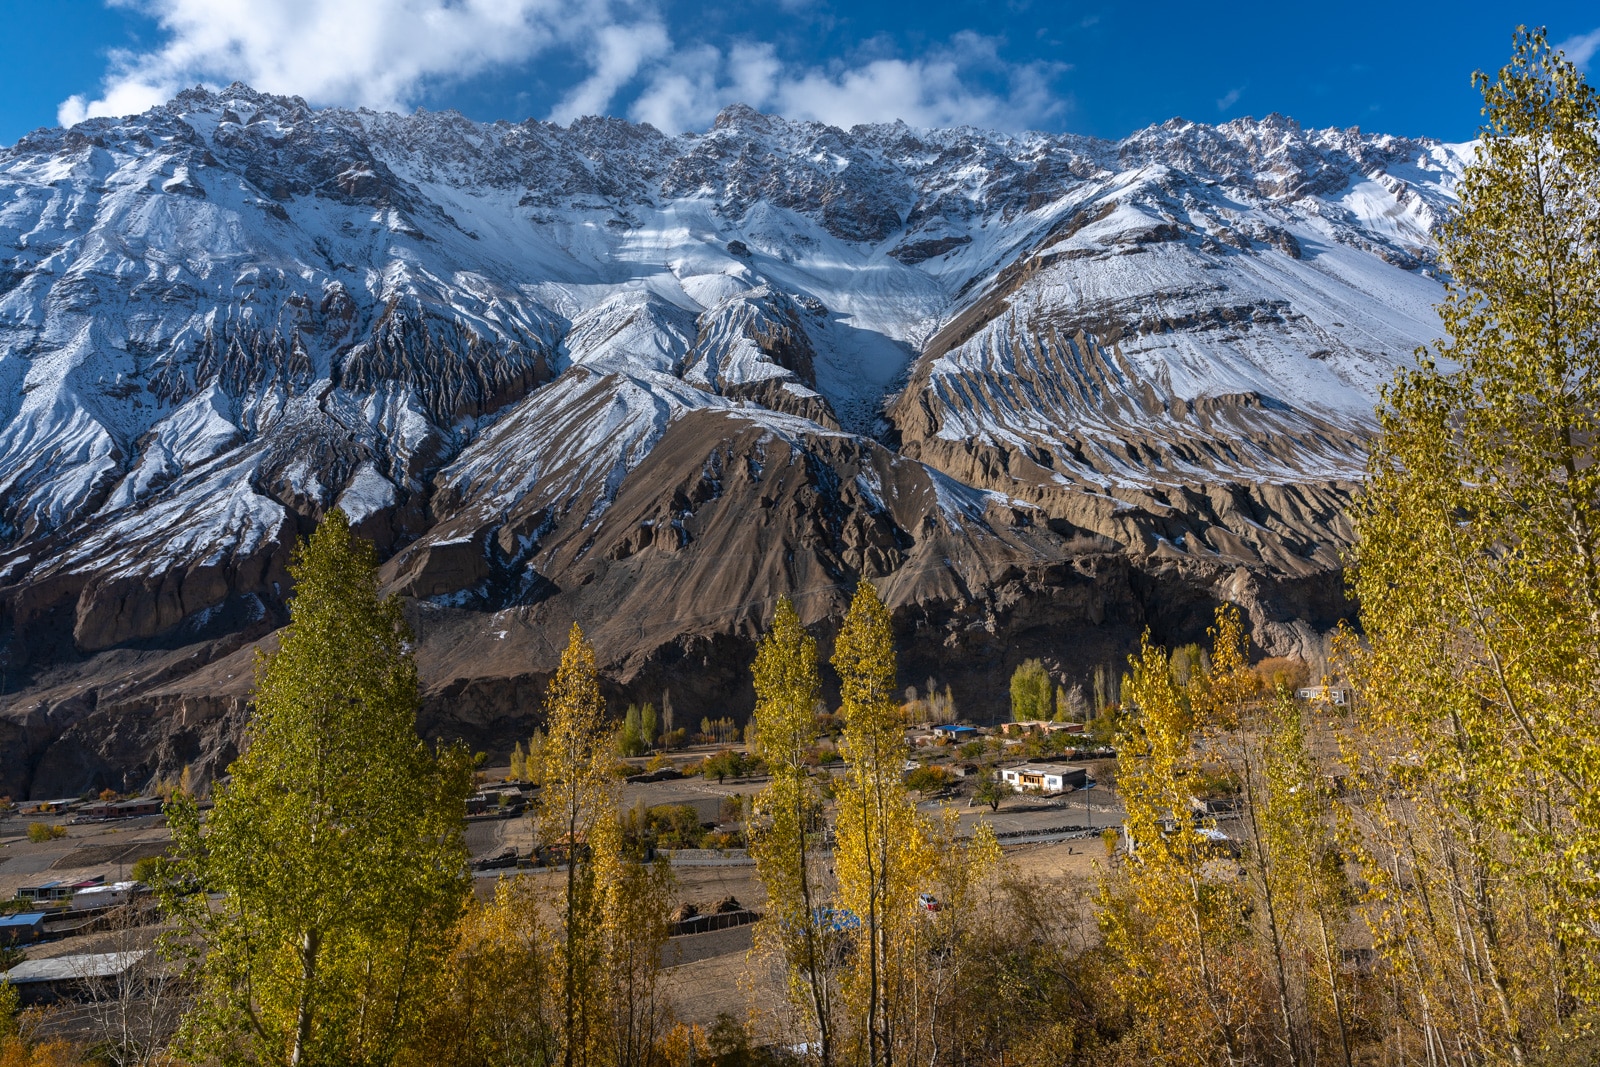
1044,389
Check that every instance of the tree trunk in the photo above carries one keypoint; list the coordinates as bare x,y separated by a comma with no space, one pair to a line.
310,942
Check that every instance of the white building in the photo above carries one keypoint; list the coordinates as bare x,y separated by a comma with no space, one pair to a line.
1045,777
1337,697
105,896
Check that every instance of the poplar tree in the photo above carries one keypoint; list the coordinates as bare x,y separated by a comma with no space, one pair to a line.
1477,737
1032,693
500,1003
336,846
1229,715
631,909
577,795
1171,919
631,741
787,690
881,851
950,948
649,727
1298,828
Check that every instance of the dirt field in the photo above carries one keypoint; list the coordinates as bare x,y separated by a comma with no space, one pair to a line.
717,974
88,851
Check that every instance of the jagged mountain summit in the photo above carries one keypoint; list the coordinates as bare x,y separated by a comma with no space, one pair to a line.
1045,390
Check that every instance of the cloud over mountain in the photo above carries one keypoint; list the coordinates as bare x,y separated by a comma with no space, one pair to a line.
386,54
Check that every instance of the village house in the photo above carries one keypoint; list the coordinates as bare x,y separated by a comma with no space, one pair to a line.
1046,778
122,809
21,929
1041,726
50,892
113,895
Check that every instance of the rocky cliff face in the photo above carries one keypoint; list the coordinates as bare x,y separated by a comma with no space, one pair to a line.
1045,391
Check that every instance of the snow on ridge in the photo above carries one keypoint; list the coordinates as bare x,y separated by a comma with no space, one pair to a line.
189,288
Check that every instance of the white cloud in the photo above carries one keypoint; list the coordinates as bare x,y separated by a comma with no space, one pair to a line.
1581,49
943,88
385,53
376,53
1229,98
679,94
615,58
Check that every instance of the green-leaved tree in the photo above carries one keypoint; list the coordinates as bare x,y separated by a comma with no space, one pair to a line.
1032,693
336,847
882,852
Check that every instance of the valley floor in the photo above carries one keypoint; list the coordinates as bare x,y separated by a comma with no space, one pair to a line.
708,973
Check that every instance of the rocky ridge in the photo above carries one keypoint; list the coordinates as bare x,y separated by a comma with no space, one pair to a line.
1045,390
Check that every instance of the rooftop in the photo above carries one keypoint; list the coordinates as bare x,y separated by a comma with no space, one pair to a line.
67,968
1048,768
114,887
58,883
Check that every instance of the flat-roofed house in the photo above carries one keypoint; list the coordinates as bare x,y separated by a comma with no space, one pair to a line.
1045,778
50,892
21,929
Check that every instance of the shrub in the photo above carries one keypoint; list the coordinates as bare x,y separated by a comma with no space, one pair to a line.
38,832
672,826
927,779
146,870
1283,672
725,764
830,725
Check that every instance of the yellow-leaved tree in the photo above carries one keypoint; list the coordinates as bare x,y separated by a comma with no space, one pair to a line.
631,933
1229,714
948,948
881,854
577,795
1286,830
1297,826
797,930
1170,911
499,1004
586,988
1476,742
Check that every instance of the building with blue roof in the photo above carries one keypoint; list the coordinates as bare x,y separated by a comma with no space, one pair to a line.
21,929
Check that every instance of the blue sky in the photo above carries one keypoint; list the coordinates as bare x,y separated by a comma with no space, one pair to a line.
1097,68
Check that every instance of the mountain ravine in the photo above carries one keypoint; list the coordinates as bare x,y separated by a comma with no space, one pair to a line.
1045,391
